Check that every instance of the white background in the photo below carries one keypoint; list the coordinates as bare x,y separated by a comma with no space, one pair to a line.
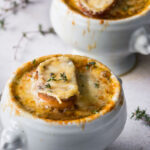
136,135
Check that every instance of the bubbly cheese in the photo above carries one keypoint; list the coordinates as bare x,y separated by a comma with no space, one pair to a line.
57,78
96,89
96,6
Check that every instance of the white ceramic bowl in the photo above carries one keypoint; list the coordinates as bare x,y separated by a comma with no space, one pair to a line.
107,42
25,132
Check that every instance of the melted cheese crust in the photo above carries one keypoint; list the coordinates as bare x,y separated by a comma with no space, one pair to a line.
56,78
99,89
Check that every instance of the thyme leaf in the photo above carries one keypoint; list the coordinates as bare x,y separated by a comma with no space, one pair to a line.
52,78
95,111
48,85
27,34
90,64
16,97
96,85
2,23
34,61
63,76
140,114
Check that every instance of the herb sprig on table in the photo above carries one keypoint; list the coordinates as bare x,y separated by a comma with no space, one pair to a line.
141,114
27,34
13,7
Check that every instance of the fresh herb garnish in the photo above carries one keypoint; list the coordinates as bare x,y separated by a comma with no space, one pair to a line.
96,85
48,86
90,64
2,23
63,76
27,34
140,114
34,61
95,111
87,67
52,78
17,97
125,8
52,74
24,34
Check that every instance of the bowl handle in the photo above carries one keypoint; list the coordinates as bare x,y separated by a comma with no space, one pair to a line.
140,41
13,138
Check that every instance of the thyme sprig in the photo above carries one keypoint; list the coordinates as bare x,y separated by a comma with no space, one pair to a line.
45,32
52,77
95,111
13,6
34,61
63,76
96,85
2,23
140,114
90,64
48,86
27,34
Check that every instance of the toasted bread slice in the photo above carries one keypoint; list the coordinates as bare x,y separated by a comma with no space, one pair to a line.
52,101
55,81
94,7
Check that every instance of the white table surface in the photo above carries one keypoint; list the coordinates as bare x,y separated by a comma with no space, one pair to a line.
136,84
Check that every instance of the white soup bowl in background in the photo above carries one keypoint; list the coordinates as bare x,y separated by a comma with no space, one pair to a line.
109,41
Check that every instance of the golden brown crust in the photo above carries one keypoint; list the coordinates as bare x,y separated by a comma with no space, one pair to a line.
52,101
80,63
36,75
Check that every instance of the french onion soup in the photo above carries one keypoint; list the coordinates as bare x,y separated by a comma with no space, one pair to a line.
108,9
65,87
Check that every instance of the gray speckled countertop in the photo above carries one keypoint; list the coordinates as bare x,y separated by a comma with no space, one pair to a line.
136,84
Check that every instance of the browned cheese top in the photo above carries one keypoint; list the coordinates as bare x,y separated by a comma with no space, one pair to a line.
65,87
